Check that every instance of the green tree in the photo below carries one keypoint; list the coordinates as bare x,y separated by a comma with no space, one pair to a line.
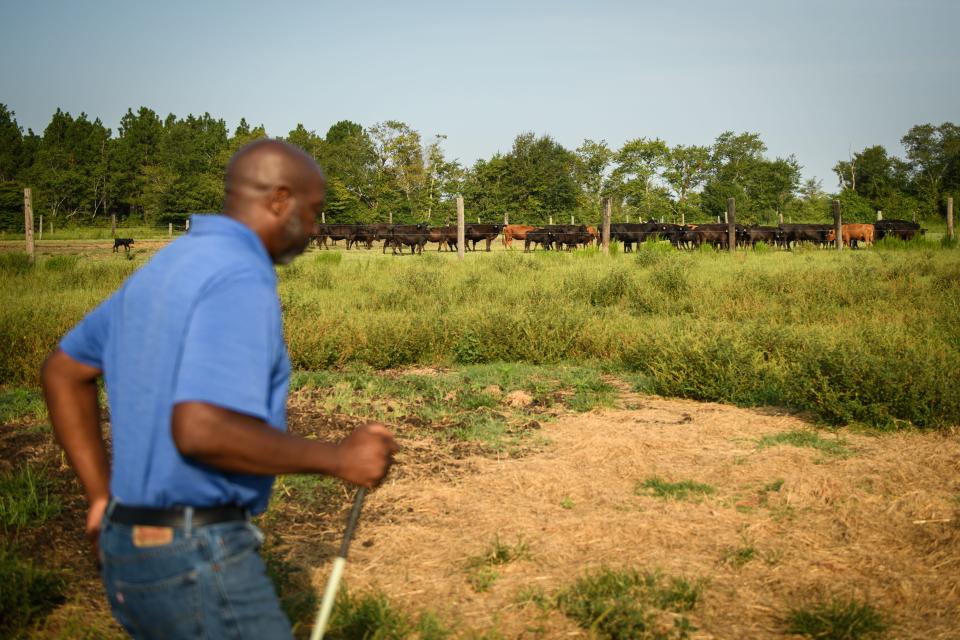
350,161
687,169
935,156
638,164
11,145
137,149
591,172
537,178
401,171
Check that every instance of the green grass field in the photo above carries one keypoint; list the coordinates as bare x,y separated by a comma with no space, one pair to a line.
857,337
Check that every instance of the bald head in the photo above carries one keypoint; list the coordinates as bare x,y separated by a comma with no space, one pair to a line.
277,190
262,166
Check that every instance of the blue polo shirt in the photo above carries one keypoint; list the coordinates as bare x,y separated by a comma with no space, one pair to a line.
199,322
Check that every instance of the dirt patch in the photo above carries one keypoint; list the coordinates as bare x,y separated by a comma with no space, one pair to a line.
881,523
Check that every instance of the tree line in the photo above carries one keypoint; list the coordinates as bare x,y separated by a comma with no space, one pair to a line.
156,170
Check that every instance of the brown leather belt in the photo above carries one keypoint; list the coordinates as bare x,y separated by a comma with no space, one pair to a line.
175,517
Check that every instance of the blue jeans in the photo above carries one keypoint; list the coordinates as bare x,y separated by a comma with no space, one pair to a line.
207,582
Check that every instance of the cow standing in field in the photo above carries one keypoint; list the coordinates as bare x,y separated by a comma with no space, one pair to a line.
901,229
852,234
518,231
629,234
414,236
541,237
445,237
122,242
476,232
797,233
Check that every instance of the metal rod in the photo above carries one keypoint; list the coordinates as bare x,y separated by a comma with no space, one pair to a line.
333,584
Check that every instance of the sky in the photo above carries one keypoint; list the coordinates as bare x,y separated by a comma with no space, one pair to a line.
816,79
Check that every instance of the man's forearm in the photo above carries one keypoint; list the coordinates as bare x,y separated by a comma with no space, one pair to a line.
234,442
70,390
231,441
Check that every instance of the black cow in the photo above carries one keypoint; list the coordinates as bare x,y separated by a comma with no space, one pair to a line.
476,232
413,235
629,234
542,237
902,229
334,232
770,235
572,239
122,242
797,233
444,237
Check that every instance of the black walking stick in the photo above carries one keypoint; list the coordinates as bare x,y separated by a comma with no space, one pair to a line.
333,584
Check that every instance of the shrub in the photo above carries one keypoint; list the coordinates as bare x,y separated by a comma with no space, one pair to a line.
27,592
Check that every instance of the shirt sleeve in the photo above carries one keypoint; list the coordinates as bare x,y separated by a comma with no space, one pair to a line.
230,348
87,341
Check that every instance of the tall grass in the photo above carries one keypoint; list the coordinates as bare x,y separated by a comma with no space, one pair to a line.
860,336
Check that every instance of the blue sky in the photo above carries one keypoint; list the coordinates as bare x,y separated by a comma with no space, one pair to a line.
815,78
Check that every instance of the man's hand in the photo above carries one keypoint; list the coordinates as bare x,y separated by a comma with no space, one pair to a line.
94,517
365,456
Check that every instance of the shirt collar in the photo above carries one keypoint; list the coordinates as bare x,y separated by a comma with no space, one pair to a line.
218,224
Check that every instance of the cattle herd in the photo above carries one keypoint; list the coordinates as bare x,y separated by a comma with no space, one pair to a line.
559,237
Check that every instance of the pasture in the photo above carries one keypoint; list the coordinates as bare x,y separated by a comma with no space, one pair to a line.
572,464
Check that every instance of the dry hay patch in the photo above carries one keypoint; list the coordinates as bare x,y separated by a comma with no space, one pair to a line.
836,525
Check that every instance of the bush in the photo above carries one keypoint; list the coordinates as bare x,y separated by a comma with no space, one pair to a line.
27,592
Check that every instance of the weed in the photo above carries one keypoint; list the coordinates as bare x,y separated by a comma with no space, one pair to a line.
480,569
567,503
17,402
800,438
660,488
27,498
535,595
482,578
773,487
27,592
309,490
839,619
630,604
15,264
739,556
372,616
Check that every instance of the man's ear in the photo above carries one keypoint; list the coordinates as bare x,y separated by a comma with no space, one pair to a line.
280,201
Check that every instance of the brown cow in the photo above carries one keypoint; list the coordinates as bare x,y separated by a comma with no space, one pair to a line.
518,231
851,234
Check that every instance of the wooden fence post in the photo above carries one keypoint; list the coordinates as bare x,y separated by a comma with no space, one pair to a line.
40,226
169,229
113,224
571,220
186,225
780,217
879,214
731,224
950,217
837,225
460,230
323,217
551,219
390,217
28,220
506,218
605,233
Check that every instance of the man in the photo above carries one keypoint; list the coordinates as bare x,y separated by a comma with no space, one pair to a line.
196,371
